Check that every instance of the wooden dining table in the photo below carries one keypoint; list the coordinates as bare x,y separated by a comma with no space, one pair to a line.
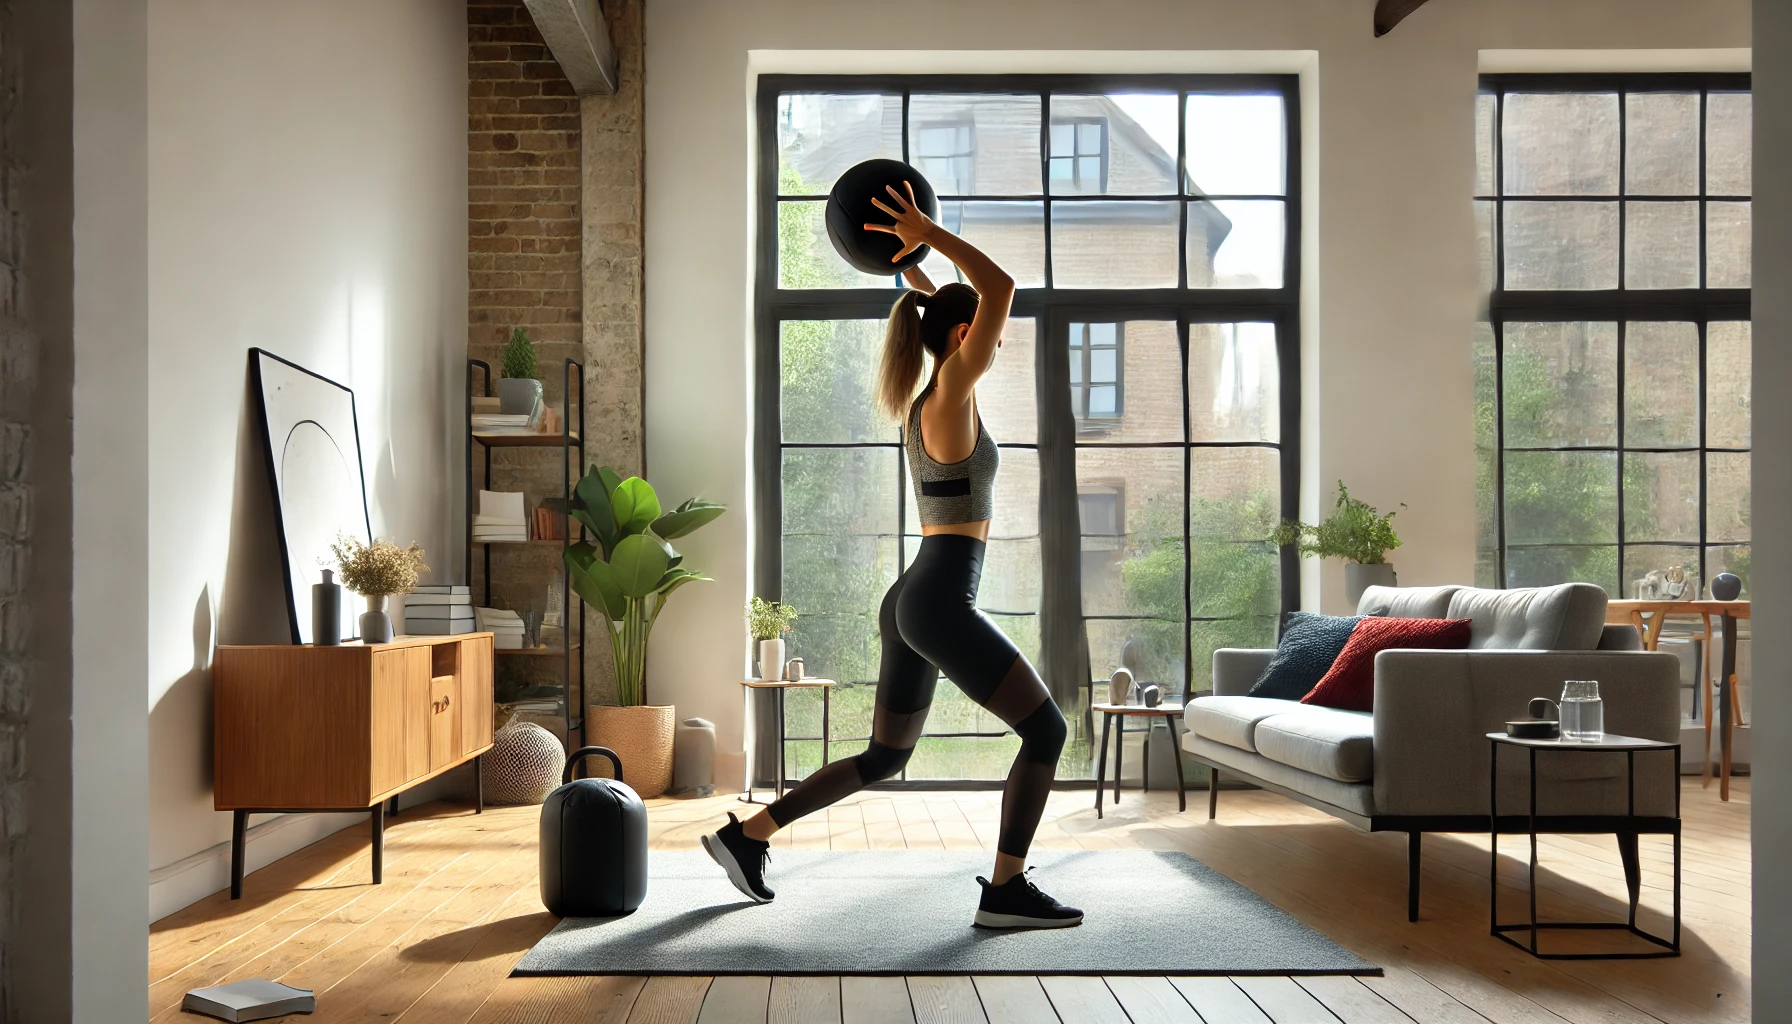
1650,616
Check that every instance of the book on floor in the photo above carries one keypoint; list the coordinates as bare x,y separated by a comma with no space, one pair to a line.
255,999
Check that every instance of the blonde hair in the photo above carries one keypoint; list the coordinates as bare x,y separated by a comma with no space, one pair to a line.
910,337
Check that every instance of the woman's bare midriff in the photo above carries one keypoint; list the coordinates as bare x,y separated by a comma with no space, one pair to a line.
978,529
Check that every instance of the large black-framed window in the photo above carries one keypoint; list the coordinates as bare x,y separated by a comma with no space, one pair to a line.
1612,368
1143,466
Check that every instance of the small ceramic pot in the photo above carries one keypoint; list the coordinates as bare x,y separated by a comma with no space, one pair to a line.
771,659
376,625
517,395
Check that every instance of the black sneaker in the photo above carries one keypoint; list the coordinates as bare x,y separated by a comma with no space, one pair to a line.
742,857
1018,903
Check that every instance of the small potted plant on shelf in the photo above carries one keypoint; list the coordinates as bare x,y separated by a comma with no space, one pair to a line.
376,571
1354,531
627,571
518,390
767,622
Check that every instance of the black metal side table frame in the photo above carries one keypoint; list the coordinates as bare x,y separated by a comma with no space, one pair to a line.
781,687
1168,714
1626,828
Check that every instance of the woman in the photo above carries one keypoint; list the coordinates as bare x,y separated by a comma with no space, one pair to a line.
929,621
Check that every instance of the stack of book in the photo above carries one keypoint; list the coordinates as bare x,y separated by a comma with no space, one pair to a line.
488,420
546,525
505,626
438,610
500,517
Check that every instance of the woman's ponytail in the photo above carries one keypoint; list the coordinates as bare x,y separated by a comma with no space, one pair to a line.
899,371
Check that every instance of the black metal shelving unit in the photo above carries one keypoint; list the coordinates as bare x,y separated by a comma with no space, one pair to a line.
566,443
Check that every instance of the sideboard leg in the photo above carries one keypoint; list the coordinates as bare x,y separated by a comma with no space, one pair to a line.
478,785
378,820
239,840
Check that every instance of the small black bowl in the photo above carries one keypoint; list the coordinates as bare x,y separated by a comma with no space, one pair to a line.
1534,729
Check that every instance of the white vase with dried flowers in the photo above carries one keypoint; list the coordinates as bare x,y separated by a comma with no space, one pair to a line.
377,571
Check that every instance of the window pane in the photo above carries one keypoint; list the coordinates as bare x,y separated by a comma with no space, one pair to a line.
1727,407
1561,245
976,144
839,554
1139,143
1733,558
1151,648
1235,243
1727,238
1661,245
1486,461
1729,145
1114,245
1661,147
1486,104
1561,382
1236,145
1234,504
806,259
1005,396
1484,247
1661,384
1131,507
1661,496
1143,402
1012,234
820,135
1206,637
1642,559
1546,567
827,375
1234,383
1726,497
1560,144
1561,497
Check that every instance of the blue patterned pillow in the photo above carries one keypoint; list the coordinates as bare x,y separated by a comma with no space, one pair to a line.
1310,643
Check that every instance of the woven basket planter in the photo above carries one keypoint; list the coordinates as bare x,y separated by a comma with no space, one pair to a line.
641,737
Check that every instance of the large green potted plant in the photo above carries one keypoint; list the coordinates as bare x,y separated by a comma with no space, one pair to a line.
1355,531
518,389
627,569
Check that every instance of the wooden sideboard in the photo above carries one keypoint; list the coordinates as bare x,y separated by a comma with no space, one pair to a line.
303,728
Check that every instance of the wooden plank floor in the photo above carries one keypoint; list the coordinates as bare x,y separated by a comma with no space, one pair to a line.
459,908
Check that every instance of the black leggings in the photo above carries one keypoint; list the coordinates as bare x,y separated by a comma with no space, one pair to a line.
929,623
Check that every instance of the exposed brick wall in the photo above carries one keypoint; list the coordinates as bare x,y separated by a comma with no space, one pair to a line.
18,379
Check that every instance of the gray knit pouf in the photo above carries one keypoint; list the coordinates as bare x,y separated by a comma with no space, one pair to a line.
523,766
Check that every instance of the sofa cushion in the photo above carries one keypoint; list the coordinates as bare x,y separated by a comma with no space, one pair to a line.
1568,617
1233,720
1310,642
1336,744
1351,682
1406,602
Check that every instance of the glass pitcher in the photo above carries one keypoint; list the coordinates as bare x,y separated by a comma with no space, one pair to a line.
1582,711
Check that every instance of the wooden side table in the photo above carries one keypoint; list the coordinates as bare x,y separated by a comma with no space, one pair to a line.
1648,618
782,686
1170,713
1626,827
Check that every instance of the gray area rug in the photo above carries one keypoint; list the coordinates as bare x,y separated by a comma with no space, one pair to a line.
909,912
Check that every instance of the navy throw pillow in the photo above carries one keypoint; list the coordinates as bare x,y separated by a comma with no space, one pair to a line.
1310,643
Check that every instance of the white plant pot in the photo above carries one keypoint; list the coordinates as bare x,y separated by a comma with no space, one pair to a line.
771,659
1358,578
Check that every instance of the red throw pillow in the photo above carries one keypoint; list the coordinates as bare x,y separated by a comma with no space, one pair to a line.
1350,684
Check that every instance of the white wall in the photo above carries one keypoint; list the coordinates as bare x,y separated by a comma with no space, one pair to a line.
307,194
1389,249
1771,796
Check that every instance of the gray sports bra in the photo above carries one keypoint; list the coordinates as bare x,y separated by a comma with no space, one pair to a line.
951,492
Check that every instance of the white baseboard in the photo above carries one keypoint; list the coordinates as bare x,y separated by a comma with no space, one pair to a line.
191,879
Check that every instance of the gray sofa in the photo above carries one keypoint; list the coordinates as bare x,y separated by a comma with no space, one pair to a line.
1419,762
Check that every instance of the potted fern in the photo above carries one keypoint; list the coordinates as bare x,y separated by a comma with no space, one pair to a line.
518,390
767,622
627,570
1354,531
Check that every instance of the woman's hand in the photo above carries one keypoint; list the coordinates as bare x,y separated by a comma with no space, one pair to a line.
913,228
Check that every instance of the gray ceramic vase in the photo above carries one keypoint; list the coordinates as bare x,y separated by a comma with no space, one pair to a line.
517,395
1358,578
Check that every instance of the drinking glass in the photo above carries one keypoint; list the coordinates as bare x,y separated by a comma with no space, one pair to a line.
1583,712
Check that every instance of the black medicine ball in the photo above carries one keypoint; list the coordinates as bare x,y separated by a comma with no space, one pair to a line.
850,209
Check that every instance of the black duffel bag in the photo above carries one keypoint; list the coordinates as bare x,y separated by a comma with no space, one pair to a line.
593,844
